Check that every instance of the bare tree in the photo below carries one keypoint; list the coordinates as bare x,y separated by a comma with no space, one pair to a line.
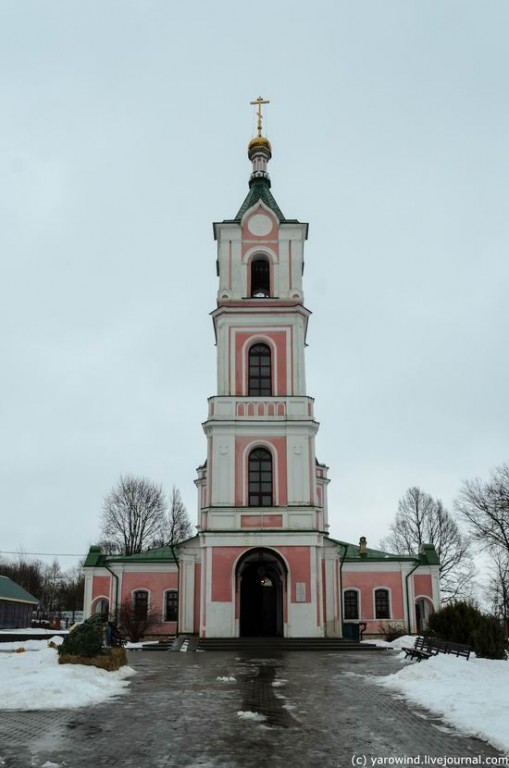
72,590
133,516
498,588
134,623
485,507
29,574
52,587
420,519
179,524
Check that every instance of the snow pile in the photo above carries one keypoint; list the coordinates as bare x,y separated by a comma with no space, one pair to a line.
246,715
35,680
473,695
34,631
406,641
31,645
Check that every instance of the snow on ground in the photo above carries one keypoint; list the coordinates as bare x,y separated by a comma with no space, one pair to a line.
247,715
473,695
35,679
34,631
405,640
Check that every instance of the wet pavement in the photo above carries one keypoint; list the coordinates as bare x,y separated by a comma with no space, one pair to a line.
222,710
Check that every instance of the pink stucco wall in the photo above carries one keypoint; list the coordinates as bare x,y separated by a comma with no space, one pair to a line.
366,583
224,559
101,587
261,521
278,339
423,584
241,469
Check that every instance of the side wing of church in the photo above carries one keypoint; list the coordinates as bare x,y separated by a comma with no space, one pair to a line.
262,562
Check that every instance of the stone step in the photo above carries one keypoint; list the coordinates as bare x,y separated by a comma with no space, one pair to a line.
163,645
283,644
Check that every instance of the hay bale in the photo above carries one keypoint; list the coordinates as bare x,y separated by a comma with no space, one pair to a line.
116,658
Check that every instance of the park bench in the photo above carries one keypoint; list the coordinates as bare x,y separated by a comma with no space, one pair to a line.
424,647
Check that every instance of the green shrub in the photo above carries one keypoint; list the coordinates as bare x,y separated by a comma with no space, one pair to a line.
455,622
489,639
85,640
462,622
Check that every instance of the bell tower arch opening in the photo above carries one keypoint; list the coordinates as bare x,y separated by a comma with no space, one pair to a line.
260,277
261,581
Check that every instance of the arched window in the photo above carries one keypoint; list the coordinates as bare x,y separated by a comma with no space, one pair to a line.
171,605
260,371
351,604
140,605
260,278
260,478
382,608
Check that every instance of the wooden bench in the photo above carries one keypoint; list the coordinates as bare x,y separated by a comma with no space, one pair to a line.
458,649
424,647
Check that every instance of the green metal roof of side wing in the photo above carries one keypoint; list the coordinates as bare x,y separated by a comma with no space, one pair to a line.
12,592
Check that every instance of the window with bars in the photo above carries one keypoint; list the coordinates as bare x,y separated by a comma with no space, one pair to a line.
171,606
351,604
382,609
140,604
260,478
260,371
260,278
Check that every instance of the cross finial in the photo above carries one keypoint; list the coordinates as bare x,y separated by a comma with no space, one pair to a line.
259,101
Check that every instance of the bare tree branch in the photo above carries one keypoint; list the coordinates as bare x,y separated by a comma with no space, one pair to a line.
485,507
179,525
420,519
133,516
498,588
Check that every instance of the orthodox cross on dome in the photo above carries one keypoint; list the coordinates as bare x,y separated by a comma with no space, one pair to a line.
259,101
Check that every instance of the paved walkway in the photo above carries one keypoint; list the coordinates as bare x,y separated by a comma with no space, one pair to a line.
314,710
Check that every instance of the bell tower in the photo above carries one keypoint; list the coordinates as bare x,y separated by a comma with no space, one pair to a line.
261,485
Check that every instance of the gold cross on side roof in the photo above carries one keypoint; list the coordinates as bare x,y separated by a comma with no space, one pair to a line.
260,100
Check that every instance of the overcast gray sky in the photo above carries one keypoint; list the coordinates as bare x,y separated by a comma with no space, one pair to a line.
124,130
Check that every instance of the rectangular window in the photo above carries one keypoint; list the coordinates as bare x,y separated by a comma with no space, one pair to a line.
351,604
382,610
171,606
140,605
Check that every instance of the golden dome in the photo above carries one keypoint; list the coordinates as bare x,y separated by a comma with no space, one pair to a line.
259,142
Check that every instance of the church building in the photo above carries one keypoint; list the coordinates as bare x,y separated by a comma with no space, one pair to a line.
262,561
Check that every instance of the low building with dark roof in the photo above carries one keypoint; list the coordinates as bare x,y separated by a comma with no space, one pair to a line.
16,605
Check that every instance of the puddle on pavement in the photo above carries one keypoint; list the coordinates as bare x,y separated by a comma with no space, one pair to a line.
257,678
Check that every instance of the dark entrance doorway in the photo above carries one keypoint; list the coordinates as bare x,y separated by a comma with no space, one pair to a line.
261,580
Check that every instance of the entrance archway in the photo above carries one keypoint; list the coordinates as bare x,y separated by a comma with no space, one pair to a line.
423,610
261,582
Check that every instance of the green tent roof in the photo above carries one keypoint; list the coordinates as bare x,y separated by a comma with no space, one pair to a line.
12,592
259,189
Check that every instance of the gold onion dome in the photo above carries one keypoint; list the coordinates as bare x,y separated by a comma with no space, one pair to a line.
257,144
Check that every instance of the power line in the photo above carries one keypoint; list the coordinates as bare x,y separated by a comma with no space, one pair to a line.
42,554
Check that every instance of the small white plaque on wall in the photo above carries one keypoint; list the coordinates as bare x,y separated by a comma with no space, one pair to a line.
300,591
